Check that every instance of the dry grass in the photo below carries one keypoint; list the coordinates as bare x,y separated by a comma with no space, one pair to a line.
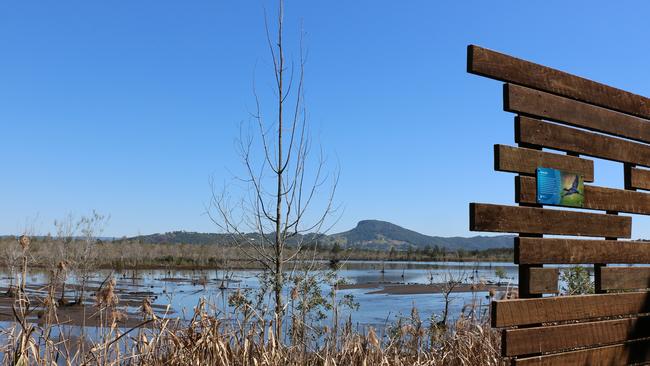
242,335
208,340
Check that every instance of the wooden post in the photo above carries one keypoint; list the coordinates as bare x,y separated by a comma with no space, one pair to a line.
571,117
524,269
598,282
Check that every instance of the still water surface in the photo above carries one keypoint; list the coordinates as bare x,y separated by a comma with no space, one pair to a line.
182,289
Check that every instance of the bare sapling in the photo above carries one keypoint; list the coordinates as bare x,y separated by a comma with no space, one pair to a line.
286,195
451,281
12,254
90,228
66,230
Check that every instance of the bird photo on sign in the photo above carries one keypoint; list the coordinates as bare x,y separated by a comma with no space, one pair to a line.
560,188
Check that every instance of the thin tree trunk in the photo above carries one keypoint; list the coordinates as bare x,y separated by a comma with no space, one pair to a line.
80,299
63,289
24,274
278,213
335,325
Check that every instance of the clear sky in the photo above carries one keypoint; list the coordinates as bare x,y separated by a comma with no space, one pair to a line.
129,107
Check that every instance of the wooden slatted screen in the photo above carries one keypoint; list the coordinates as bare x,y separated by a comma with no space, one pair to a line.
561,119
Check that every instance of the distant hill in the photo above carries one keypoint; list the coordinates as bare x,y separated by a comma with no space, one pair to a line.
369,234
184,237
377,234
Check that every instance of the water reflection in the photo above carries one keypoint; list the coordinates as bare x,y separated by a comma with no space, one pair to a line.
182,289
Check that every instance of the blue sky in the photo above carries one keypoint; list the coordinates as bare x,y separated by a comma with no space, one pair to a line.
129,107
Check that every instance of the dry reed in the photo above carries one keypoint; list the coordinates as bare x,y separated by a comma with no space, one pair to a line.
210,340
240,338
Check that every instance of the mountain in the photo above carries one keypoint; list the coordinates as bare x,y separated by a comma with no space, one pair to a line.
184,237
369,234
188,237
377,234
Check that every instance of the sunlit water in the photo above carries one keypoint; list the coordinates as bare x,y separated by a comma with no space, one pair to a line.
182,290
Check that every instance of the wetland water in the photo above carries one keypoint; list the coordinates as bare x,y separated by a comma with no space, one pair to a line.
384,291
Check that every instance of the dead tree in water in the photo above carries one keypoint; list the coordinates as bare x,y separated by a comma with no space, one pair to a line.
76,242
11,256
281,182
90,228
64,255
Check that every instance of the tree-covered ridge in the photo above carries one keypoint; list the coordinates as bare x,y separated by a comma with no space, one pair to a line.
371,234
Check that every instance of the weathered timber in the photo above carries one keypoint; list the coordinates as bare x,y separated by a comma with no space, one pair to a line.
495,65
596,198
525,161
524,290
636,178
582,118
537,103
570,336
506,313
531,220
544,134
573,251
625,278
543,280
621,354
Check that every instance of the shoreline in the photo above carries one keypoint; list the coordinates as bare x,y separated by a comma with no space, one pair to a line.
251,265
419,289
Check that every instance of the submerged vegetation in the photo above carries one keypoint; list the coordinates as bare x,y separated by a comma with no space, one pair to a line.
242,333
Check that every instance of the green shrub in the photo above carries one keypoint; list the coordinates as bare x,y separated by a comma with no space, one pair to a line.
576,281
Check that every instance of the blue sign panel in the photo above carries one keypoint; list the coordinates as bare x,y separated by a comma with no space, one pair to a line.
556,187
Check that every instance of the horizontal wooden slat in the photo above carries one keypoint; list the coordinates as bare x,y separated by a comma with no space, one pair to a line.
572,251
533,102
621,354
636,178
526,161
538,133
499,66
530,220
596,198
625,278
570,336
506,313
543,280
